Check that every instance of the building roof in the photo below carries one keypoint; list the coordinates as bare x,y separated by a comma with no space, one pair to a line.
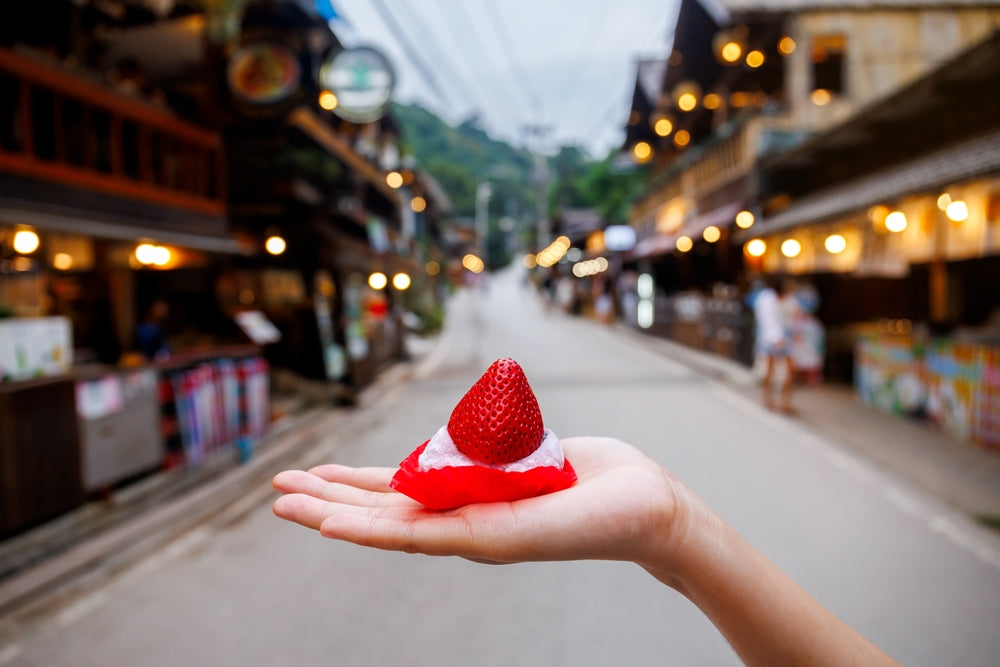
720,8
953,85
955,164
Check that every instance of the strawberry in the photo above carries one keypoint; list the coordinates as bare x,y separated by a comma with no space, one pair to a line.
498,419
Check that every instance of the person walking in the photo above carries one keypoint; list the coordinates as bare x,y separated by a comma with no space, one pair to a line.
773,343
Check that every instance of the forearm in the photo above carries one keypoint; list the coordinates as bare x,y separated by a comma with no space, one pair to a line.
767,618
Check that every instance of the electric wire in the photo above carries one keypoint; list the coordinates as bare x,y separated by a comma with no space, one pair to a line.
411,51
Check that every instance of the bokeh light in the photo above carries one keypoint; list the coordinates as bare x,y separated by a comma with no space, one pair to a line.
401,281
791,248
957,211
394,179
473,263
377,280
895,221
835,244
328,101
26,241
745,219
755,247
275,245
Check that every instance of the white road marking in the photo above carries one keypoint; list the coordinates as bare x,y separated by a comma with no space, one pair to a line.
965,535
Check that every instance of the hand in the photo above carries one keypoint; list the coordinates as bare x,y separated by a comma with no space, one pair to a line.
622,508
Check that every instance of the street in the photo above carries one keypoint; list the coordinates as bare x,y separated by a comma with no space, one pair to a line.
916,578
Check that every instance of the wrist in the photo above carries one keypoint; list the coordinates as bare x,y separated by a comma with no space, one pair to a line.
680,537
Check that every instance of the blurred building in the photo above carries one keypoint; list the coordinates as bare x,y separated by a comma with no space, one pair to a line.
825,141
188,189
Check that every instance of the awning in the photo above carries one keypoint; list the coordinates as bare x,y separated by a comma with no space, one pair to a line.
658,244
939,169
323,134
117,228
720,217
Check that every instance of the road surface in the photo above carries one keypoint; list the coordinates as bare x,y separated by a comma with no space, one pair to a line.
919,580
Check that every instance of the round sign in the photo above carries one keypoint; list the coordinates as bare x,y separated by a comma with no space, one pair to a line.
263,73
362,79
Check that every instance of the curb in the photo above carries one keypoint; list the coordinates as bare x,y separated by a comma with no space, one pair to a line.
304,442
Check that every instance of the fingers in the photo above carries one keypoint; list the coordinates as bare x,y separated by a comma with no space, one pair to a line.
397,527
371,479
309,484
411,530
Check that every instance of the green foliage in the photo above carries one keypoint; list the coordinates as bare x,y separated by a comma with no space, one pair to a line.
598,185
461,157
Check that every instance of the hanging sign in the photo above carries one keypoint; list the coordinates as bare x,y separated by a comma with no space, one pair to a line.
362,79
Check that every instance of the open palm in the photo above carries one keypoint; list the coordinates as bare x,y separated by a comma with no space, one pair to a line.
617,510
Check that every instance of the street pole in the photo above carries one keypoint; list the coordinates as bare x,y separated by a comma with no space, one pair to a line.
483,193
540,175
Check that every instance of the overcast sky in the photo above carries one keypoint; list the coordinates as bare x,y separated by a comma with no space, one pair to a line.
568,65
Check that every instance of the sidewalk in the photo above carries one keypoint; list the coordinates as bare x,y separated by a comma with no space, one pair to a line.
62,557
962,475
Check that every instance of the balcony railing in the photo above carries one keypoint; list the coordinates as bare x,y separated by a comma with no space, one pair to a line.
62,128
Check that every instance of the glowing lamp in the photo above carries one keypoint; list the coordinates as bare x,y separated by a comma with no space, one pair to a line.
394,179
25,241
642,151
895,221
328,101
275,245
401,281
791,248
957,211
744,219
835,244
755,247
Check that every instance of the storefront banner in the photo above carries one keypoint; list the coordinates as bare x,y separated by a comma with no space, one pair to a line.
888,374
953,371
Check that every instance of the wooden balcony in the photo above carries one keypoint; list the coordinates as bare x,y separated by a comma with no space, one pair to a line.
60,128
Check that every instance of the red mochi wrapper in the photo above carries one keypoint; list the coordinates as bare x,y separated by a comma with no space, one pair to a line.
454,486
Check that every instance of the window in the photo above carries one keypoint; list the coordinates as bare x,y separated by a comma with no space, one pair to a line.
828,64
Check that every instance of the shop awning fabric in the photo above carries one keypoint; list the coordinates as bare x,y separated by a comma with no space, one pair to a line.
722,217
107,226
948,166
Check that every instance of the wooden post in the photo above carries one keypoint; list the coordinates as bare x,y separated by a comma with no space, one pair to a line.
938,291
27,130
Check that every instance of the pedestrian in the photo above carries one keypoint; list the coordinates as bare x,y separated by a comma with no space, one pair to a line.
773,342
624,507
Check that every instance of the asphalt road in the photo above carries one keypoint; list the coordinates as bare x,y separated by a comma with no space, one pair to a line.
916,578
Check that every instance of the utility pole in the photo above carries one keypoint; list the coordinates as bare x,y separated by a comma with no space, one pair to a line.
540,176
483,193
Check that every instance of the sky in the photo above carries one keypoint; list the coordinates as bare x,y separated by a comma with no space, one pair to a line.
566,66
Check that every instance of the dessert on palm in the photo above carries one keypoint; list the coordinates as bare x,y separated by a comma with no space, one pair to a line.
494,448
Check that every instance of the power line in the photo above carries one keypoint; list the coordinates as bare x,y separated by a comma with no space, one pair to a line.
661,32
473,34
431,46
411,51
517,69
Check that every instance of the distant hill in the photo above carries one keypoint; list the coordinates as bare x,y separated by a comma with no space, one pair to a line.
462,156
